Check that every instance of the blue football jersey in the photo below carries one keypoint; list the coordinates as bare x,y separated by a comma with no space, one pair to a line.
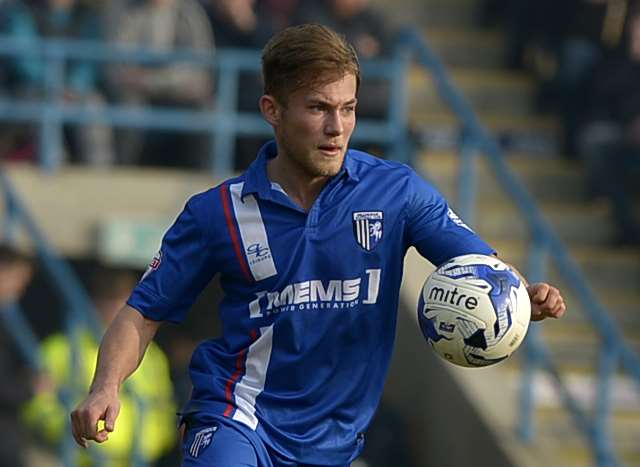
310,298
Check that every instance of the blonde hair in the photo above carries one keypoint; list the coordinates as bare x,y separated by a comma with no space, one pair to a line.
306,56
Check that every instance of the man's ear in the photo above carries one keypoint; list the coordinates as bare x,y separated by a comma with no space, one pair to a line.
271,109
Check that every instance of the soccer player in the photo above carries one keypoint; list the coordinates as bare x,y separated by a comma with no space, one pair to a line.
309,245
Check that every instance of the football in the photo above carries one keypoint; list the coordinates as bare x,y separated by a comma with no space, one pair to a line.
474,310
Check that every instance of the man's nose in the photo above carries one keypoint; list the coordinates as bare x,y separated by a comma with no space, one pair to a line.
334,125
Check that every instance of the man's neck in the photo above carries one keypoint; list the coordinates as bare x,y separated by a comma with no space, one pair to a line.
298,185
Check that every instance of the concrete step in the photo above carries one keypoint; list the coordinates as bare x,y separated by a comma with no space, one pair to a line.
148,194
622,303
548,180
614,270
556,440
624,306
573,349
559,452
574,340
536,136
578,347
586,225
486,90
467,47
558,433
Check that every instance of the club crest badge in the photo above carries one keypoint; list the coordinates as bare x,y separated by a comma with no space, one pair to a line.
367,228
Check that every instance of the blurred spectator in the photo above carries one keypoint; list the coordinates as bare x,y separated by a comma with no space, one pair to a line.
245,24
610,140
149,387
163,25
367,30
236,23
280,13
561,42
27,74
18,383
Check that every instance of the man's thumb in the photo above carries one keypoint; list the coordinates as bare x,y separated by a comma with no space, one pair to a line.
110,418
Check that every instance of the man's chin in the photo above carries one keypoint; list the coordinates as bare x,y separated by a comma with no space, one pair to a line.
328,170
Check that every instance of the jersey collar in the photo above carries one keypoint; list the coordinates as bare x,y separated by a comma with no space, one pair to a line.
256,180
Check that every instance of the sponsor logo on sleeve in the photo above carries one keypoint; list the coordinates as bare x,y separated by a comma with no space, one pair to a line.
153,265
456,220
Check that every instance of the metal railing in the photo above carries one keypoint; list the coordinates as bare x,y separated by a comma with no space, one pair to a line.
545,246
225,122
79,312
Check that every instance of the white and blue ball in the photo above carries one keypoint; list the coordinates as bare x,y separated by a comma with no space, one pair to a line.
474,310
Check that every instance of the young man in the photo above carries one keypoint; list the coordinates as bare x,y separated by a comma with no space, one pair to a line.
311,294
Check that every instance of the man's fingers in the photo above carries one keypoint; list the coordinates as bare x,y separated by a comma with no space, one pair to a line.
89,424
74,430
540,292
101,436
546,301
95,418
551,302
110,417
559,308
554,301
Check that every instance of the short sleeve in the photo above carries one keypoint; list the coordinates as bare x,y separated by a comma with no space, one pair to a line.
179,272
434,229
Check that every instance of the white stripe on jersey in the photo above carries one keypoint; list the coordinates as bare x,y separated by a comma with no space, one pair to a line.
254,236
252,383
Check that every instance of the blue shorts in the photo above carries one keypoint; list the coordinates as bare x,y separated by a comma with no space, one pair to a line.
220,443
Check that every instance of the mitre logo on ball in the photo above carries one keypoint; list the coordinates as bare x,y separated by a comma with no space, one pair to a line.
474,310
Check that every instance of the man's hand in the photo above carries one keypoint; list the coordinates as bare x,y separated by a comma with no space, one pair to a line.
102,405
546,301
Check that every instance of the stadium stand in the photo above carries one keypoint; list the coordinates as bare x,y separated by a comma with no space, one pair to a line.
599,424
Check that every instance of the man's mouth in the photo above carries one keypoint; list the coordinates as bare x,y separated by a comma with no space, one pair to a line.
331,149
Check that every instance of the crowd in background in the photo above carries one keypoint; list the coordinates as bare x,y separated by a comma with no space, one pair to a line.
165,25
586,56
34,408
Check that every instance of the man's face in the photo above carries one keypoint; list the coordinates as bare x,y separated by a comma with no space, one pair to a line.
315,126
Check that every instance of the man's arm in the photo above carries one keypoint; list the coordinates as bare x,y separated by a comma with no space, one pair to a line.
121,351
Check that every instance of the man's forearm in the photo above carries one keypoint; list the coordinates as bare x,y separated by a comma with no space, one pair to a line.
122,348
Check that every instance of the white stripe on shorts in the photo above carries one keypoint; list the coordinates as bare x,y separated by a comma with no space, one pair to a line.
252,383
